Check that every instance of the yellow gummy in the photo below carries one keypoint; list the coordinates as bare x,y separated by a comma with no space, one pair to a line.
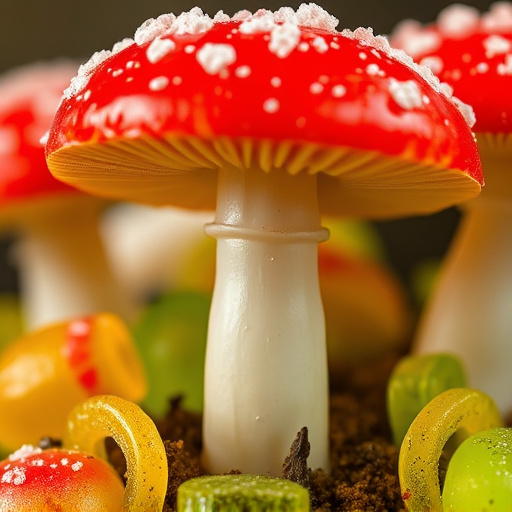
135,433
47,372
459,409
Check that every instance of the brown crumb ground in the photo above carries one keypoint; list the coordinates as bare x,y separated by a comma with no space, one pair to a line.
363,474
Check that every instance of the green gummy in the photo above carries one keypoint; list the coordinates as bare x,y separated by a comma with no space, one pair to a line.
171,339
242,493
479,475
415,381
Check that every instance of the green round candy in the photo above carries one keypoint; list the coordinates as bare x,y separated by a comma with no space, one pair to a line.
479,475
171,339
415,381
242,493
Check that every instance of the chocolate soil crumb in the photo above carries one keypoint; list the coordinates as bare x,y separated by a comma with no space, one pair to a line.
364,474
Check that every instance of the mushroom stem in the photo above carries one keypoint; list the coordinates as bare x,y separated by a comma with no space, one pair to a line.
470,311
65,272
266,364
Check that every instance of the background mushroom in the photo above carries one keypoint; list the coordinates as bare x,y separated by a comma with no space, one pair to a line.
64,271
469,311
198,111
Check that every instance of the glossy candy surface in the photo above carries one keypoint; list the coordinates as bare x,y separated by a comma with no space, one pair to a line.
415,381
55,480
459,409
479,476
44,374
136,434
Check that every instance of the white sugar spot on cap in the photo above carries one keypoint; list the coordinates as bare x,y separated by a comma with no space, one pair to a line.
152,28
303,46
275,81
193,22
284,39
80,81
339,91
334,45
221,17
374,70
496,45
117,72
25,451
466,110
410,35
433,62
158,83
271,106
54,466
37,462
458,20
257,24
64,461
506,67
482,67
213,58
159,48
77,466
406,94
313,16
121,45
316,88
16,476
499,17
177,80
190,48
242,71
319,44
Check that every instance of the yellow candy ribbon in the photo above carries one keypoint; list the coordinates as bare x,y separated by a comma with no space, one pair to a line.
458,409
135,433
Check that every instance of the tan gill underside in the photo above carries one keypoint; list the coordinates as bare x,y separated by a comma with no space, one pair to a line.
181,171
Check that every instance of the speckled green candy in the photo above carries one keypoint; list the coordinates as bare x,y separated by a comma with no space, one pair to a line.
479,476
242,493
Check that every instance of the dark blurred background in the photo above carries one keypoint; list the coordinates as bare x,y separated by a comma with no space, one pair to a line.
32,30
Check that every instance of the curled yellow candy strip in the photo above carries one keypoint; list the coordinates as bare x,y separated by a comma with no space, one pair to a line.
136,434
456,409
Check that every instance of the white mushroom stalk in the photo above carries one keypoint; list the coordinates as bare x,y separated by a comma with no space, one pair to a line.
266,365
65,269
475,285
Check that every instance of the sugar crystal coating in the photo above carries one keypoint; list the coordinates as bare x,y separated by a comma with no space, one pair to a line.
285,27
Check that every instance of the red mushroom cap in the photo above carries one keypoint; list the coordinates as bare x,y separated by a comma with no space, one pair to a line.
29,97
270,90
33,480
471,52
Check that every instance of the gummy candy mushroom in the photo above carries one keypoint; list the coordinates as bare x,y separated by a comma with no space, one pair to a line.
55,480
469,311
63,267
271,117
